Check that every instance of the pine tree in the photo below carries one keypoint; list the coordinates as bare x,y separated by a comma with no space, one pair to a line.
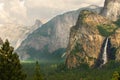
10,67
37,74
116,76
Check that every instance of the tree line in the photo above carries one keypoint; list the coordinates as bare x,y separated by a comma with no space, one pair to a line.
10,66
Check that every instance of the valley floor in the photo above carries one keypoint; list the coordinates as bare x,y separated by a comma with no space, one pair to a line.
57,71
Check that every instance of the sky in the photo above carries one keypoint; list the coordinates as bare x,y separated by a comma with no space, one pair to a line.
27,11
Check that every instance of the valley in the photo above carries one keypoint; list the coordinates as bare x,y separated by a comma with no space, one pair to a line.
56,71
82,44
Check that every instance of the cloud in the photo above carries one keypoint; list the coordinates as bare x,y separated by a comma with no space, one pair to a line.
46,9
12,11
1,6
26,11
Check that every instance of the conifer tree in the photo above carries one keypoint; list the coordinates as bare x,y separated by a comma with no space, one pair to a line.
116,76
10,67
37,74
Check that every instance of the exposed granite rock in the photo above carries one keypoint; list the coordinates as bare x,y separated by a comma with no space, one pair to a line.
118,54
115,43
52,36
111,9
86,41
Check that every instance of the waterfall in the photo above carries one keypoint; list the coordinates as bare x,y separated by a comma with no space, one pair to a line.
64,54
104,56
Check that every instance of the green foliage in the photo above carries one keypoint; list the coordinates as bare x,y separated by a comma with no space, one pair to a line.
116,76
78,48
106,30
10,67
61,67
83,15
117,22
44,55
37,75
83,72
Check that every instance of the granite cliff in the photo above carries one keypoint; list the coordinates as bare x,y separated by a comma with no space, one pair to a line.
52,37
93,40
111,9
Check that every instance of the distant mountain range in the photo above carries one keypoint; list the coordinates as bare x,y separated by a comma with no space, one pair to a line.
16,33
52,37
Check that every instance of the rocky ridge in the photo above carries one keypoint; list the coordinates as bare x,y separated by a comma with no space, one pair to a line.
111,9
52,37
87,40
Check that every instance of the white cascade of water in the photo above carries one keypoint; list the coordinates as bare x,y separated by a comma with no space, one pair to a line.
104,56
63,55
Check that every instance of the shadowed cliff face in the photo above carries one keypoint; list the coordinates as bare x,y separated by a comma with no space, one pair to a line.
53,34
111,9
115,43
88,36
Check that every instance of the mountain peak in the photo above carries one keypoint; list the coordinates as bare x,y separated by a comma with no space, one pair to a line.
111,9
37,21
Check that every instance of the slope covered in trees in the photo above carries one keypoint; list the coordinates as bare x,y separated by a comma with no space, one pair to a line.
10,67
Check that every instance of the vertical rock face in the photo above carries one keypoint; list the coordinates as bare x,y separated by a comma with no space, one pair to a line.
115,38
87,40
111,9
115,43
52,36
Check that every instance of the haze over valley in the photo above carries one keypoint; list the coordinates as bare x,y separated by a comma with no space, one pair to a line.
60,40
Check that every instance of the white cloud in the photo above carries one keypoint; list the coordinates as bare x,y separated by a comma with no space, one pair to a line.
12,11
1,6
46,9
3,14
26,11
